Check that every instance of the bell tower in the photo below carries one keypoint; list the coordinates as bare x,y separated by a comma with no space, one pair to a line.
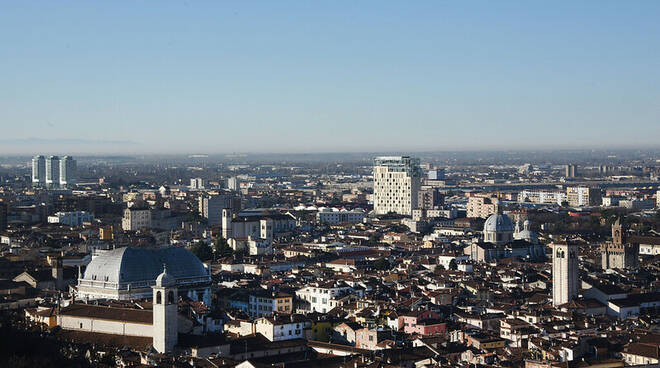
617,232
165,304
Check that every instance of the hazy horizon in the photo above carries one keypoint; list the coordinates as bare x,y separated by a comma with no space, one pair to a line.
296,77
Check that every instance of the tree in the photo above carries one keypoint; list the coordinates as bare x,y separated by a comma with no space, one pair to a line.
381,264
202,251
221,248
452,265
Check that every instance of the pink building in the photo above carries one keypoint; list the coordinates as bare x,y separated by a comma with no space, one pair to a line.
422,323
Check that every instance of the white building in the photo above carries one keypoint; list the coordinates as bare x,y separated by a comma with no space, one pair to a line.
234,184
565,278
39,170
74,218
397,180
326,296
136,219
335,216
53,171
197,183
283,327
542,196
68,171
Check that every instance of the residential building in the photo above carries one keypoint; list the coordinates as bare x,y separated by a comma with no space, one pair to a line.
397,181
279,327
263,303
197,184
136,218
583,196
53,171
482,206
571,171
334,216
74,218
429,198
39,170
68,171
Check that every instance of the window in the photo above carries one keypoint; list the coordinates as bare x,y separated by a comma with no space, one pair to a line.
158,297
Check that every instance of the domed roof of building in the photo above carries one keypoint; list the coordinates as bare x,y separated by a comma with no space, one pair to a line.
498,223
527,233
136,264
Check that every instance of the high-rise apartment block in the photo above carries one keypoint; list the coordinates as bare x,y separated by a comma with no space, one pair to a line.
583,196
234,183
571,171
565,278
68,169
53,172
197,183
482,206
397,180
430,198
39,170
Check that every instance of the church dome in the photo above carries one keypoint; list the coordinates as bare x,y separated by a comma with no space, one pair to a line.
527,233
498,223
144,264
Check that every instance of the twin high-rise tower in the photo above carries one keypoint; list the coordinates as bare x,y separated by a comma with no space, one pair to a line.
53,171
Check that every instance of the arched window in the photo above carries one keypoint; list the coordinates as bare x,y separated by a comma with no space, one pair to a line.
170,297
158,297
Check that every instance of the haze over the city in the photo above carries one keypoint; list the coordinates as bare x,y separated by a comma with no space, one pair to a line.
213,77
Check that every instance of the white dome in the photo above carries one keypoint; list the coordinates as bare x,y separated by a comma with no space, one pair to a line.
498,223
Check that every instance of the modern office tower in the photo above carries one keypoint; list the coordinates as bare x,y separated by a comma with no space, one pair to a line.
53,171
571,170
397,180
565,278
583,196
197,183
234,183
39,170
68,168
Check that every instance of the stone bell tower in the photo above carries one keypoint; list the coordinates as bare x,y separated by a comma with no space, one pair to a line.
165,303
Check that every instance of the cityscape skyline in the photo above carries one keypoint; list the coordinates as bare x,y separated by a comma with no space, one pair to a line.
290,77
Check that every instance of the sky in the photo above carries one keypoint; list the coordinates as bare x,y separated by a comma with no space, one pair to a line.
327,76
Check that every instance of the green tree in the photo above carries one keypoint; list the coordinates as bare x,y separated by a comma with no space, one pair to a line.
382,264
202,251
221,248
452,265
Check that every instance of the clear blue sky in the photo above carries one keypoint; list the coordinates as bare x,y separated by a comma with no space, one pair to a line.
332,76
